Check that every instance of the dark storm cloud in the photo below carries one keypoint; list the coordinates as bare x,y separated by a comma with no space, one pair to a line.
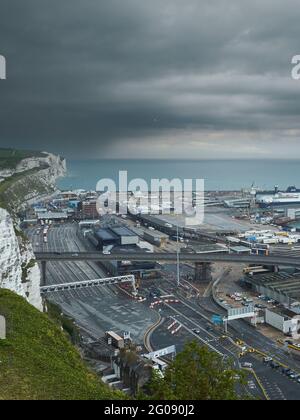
162,78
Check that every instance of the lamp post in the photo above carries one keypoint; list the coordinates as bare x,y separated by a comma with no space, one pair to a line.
178,262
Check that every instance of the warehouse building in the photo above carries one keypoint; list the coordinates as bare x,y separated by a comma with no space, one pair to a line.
240,250
282,287
283,320
126,266
114,339
105,237
125,235
67,195
158,224
118,240
155,237
89,209
209,248
118,236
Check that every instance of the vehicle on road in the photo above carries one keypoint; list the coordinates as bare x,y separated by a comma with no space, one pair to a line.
247,365
287,372
274,365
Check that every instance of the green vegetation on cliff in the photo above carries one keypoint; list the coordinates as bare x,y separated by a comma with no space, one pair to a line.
10,158
38,361
15,188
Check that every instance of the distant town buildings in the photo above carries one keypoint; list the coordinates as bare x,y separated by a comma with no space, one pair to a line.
89,209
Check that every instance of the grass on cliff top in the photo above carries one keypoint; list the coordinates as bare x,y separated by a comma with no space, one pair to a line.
38,362
9,182
10,158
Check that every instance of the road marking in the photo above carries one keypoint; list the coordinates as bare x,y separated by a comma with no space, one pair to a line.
197,325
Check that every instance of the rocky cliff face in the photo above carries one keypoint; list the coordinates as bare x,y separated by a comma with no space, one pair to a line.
32,178
54,162
18,270
55,167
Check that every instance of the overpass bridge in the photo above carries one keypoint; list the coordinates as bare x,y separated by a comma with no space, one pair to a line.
199,259
169,257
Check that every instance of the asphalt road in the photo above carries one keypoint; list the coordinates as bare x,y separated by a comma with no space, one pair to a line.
196,314
278,386
97,309
102,308
242,330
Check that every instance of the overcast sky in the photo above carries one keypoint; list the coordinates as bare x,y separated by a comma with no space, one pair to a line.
159,78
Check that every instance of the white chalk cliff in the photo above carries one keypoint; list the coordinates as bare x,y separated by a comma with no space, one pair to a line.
56,164
18,270
44,172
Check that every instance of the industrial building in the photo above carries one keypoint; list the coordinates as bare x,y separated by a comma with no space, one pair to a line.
67,195
105,237
139,268
86,224
118,240
283,320
119,236
293,214
282,287
155,237
125,235
114,340
209,248
89,209
240,250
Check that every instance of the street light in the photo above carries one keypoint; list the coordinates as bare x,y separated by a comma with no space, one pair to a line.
178,264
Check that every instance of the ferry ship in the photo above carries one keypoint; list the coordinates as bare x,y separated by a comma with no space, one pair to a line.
276,198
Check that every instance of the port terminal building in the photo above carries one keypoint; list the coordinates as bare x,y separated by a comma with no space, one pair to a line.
283,320
122,239
282,287
117,236
155,237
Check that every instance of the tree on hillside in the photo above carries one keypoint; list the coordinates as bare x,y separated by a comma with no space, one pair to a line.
196,374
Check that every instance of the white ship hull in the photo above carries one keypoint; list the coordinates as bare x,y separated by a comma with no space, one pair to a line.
279,199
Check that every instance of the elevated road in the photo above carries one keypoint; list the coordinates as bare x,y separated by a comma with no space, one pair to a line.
168,256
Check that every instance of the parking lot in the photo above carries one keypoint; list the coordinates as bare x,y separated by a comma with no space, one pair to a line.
278,382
